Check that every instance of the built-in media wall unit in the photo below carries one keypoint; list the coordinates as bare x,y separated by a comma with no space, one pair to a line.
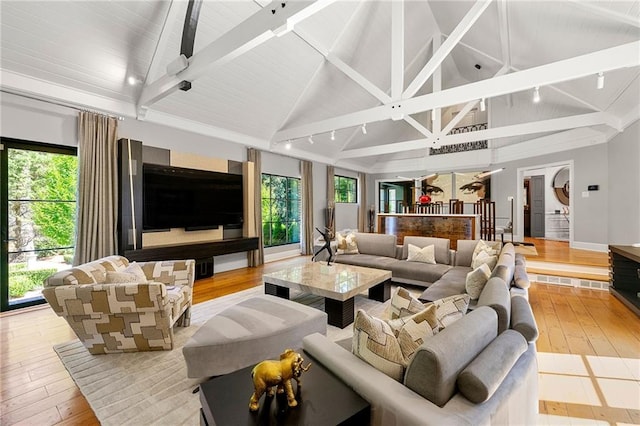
174,205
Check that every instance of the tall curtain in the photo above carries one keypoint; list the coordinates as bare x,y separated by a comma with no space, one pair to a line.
307,206
97,187
256,257
363,210
331,200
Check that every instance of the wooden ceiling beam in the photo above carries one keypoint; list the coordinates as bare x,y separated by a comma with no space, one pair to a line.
397,49
439,56
253,31
623,56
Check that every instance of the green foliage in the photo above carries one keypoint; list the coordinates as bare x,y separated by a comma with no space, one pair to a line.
346,189
280,210
21,281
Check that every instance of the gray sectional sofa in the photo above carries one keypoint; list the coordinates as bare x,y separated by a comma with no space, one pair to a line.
447,277
480,370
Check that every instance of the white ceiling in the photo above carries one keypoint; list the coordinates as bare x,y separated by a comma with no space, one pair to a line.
335,68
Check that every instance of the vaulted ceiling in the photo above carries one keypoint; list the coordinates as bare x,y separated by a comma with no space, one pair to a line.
272,74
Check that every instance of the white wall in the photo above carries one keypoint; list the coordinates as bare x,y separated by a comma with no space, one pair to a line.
624,186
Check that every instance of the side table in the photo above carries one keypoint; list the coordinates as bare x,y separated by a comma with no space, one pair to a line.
322,400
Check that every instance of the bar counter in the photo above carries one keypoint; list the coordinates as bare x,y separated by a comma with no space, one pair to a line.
453,226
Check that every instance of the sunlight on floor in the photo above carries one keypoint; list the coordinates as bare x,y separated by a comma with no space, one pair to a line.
588,381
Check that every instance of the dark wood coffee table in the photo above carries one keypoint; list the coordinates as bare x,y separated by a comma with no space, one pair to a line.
322,400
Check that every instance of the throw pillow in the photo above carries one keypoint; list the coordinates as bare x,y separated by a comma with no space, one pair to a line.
425,255
403,304
476,280
483,257
120,278
346,244
450,309
375,343
136,270
415,330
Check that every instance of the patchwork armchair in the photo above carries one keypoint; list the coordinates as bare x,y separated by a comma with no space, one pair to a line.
114,306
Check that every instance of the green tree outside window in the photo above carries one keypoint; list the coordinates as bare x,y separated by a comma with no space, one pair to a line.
280,210
346,189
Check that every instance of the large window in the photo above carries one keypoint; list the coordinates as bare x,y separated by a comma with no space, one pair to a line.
280,210
346,189
38,212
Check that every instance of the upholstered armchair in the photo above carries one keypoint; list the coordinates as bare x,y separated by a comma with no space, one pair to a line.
115,306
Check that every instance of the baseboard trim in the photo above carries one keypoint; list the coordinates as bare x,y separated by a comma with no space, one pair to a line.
590,246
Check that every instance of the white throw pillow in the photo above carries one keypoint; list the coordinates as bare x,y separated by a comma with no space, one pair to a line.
136,270
346,243
483,246
120,278
476,280
483,257
425,255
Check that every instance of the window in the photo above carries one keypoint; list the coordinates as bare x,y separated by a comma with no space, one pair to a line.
346,189
38,211
280,210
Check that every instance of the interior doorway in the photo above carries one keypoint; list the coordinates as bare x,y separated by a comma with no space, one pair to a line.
557,213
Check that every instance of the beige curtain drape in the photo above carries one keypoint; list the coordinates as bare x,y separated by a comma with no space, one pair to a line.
363,210
330,213
307,206
256,257
97,187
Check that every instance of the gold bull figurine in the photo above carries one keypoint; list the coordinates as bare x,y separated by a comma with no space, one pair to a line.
272,374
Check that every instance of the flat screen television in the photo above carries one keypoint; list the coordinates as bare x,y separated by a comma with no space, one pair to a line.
175,197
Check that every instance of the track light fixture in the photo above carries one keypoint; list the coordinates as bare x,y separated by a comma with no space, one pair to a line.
310,139
600,81
333,135
536,95
483,105
288,145
433,115
364,129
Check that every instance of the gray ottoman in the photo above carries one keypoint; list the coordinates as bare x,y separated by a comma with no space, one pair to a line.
256,329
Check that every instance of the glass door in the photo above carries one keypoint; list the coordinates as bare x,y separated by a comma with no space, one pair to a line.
38,212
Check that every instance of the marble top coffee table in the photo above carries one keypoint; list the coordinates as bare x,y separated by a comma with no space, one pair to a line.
337,283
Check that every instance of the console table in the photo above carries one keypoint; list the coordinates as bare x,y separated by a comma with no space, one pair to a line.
203,253
624,271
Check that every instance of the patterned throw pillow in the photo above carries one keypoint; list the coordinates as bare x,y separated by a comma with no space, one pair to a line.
136,270
404,304
346,244
484,257
476,280
425,255
415,329
375,343
450,309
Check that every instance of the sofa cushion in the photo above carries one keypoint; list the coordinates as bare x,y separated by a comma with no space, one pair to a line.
423,255
346,244
496,295
403,304
367,260
451,283
417,271
375,343
480,379
476,280
376,244
522,319
441,246
436,364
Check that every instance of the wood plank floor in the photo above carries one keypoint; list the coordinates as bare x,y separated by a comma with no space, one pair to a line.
35,388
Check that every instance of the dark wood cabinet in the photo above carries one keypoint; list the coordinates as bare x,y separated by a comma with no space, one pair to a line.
624,272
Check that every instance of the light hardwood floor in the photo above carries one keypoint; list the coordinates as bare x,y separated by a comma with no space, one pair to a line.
588,326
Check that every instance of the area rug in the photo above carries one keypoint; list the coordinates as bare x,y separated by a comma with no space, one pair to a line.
152,387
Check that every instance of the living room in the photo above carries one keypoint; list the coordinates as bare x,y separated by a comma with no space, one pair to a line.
302,112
